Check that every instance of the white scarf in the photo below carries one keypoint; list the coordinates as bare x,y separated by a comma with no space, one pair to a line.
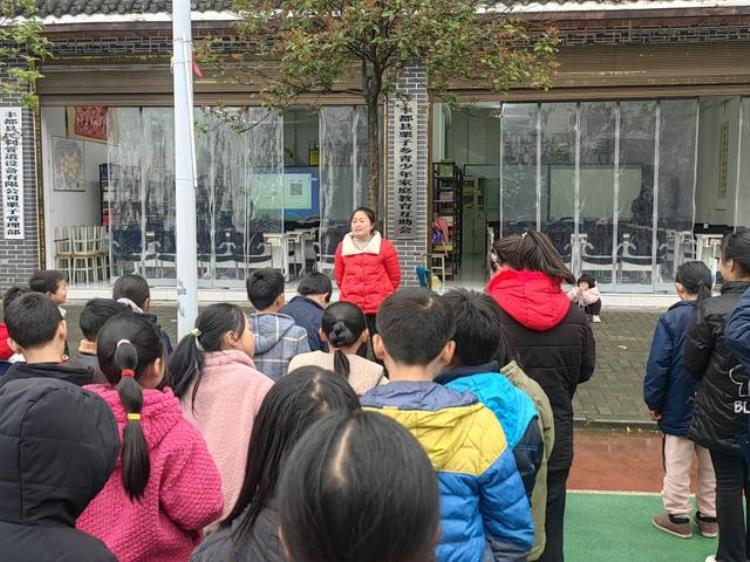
349,248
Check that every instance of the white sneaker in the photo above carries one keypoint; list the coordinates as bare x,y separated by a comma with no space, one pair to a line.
711,558
596,319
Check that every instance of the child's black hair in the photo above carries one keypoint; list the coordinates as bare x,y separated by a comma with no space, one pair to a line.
32,320
587,278
369,213
345,493
533,251
343,324
12,294
130,341
696,278
264,286
96,313
479,335
290,407
415,324
186,362
132,287
46,281
315,284
736,247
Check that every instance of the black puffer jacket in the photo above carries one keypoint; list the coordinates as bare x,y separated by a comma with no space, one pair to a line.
58,446
723,397
262,544
67,372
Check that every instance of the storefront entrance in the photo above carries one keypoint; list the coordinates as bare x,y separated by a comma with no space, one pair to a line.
627,190
273,190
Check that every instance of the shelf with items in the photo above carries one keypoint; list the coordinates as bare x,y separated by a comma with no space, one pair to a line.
447,200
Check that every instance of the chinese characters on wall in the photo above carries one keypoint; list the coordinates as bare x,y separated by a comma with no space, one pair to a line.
405,169
11,168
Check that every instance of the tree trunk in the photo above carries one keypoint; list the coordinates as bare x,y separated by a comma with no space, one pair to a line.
372,82
373,154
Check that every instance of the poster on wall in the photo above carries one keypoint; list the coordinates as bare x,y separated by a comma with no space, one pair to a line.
11,167
67,165
90,123
405,169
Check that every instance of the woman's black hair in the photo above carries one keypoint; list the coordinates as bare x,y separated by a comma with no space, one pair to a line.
130,341
587,278
696,278
371,216
287,411
186,362
533,251
345,494
133,287
736,247
343,324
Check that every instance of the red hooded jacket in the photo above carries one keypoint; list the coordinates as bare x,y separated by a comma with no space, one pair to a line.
553,341
530,297
5,350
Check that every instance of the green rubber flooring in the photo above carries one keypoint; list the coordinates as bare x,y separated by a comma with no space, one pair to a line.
617,528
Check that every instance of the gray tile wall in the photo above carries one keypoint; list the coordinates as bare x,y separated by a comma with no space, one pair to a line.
20,258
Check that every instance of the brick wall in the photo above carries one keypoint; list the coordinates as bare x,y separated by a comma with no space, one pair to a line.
412,83
20,258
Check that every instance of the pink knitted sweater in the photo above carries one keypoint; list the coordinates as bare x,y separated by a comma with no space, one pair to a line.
182,496
229,397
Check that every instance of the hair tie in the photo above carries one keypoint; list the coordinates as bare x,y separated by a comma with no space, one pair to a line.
196,332
127,373
134,417
123,342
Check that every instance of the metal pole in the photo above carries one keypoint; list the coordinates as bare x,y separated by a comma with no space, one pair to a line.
616,196
575,244
185,230
539,166
655,212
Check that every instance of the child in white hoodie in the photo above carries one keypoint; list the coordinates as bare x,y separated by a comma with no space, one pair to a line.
587,296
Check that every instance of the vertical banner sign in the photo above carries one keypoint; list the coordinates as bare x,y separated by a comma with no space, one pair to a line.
11,168
405,168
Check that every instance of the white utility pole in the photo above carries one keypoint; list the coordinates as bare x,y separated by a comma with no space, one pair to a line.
184,169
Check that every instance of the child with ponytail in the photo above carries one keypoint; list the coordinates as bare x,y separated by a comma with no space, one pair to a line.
213,375
344,329
668,390
165,487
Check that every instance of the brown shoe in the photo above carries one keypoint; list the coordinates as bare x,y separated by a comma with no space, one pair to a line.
708,526
675,526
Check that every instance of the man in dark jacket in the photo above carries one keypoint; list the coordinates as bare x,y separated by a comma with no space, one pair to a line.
59,447
308,306
37,331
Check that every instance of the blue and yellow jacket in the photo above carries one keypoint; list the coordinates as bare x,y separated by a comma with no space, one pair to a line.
513,408
484,512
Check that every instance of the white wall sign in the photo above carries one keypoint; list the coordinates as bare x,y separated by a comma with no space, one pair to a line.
405,168
11,168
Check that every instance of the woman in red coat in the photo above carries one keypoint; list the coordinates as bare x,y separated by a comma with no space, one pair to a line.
366,266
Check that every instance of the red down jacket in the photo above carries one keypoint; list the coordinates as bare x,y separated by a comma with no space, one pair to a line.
5,350
367,277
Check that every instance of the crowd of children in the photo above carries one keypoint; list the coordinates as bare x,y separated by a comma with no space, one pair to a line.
267,436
